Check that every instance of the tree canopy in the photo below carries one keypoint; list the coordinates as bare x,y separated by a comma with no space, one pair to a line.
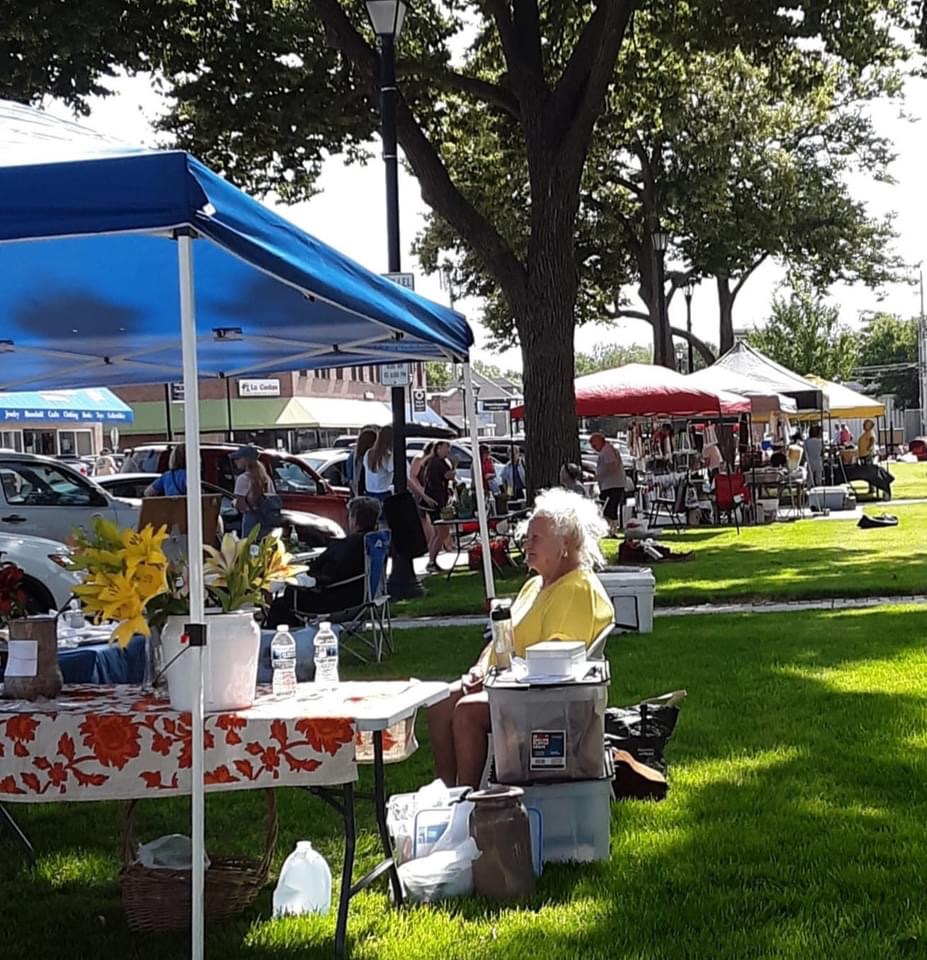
804,334
889,351
500,101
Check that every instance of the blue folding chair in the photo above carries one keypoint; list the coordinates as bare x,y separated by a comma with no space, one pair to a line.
366,629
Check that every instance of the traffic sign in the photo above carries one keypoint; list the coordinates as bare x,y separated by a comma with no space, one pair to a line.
395,375
418,401
177,393
495,404
406,280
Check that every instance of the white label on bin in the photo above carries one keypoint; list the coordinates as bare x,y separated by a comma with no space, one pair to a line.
548,750
23,658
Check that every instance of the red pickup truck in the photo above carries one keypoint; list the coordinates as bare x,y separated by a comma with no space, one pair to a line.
299,486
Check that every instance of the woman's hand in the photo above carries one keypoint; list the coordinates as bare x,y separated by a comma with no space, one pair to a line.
472,682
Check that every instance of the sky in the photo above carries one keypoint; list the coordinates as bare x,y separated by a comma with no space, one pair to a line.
349,214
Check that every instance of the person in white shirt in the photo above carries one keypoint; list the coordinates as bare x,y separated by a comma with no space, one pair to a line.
378,465
609,472
255,494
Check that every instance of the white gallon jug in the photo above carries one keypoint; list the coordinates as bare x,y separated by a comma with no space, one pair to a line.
305,884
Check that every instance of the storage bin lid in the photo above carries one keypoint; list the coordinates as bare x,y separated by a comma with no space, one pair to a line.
556,649
629,577
597,672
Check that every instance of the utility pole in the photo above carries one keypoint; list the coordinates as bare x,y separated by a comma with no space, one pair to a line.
922,357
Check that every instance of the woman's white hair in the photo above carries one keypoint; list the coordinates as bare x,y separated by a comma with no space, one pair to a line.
577,520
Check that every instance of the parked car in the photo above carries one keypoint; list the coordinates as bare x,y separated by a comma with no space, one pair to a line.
48,580
299,486
46,498
311,529
918,446
330,465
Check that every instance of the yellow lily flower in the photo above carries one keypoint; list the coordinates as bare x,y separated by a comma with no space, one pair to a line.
150,580
128,628
144,547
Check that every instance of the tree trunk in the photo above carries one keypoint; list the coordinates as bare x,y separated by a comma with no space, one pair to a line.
551,437
663,352
545,316
725,313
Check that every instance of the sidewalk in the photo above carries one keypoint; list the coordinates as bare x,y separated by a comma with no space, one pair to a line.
796,606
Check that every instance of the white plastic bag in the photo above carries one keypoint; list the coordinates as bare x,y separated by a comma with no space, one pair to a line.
442,828
173,852
442,874
400,815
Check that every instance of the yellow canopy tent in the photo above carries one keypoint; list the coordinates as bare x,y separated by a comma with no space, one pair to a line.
847,404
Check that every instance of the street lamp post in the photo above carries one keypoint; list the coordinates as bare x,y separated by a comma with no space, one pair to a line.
386,17
688,290
660,239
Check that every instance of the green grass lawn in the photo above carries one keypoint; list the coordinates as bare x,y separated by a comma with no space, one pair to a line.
910,480
807,559
794,828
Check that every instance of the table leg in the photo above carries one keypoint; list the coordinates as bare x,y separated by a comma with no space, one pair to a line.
457,557
7,821
379,800
347,871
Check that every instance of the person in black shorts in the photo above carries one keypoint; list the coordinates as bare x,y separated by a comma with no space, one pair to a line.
609,472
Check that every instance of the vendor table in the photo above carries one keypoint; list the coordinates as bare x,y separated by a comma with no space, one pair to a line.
500,527
121,743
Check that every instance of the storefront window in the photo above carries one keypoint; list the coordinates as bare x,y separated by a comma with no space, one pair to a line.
11,440
41,442
75,443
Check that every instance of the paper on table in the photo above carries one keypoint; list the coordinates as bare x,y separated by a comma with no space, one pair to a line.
23,658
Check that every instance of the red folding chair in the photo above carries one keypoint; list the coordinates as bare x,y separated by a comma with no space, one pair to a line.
731,495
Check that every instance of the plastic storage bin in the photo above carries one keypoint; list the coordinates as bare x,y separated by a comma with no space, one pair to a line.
575,819
544,732
631,592
840,497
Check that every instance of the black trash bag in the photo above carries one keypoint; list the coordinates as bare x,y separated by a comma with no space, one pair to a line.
877,523
644,729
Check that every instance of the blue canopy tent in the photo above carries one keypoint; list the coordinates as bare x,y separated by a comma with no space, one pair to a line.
93,405
100,242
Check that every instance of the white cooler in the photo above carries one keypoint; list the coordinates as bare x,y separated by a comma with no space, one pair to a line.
839,497
631,592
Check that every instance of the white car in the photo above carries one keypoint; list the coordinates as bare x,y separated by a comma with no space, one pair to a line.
48,580
45,498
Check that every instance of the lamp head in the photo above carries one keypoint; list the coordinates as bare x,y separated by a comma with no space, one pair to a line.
660,240
386,16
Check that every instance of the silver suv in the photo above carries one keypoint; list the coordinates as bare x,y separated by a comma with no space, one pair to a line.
43,497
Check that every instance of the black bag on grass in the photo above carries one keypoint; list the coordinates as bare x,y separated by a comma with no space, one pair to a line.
644,729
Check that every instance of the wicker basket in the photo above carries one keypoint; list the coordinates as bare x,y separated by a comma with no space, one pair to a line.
159,900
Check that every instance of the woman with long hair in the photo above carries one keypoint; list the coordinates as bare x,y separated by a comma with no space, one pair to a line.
378,465
437,473
255,495
365,440
417,486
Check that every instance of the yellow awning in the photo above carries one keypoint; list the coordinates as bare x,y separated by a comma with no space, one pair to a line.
846,403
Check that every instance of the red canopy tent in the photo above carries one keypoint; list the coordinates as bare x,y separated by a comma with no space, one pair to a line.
641,390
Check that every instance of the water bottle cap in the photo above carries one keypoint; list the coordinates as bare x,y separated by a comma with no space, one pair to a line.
325,625
303,846
501,612
283,628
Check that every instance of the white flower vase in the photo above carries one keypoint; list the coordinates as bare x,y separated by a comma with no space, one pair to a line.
230,662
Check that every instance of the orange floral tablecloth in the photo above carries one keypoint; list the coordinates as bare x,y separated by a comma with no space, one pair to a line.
118,743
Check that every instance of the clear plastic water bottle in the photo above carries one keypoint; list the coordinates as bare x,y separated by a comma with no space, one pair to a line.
283,662
326,656
305,884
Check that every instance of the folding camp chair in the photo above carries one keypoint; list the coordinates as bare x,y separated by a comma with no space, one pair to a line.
373,612
731,495
674,505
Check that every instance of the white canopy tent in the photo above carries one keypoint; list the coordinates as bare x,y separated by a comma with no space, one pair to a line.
97,248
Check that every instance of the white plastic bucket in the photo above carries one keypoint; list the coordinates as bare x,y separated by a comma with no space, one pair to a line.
230,662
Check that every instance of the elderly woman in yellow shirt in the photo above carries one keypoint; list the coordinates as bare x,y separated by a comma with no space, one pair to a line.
565,601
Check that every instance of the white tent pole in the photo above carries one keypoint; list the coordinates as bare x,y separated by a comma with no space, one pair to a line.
476,471
197,588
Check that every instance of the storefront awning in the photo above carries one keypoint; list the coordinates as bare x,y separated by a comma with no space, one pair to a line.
90,405
256,414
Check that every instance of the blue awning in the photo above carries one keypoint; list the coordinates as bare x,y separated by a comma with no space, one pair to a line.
61,407
92,298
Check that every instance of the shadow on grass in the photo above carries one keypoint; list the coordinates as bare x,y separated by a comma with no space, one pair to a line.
793,828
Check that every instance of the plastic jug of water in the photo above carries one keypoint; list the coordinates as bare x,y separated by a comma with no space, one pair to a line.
305,884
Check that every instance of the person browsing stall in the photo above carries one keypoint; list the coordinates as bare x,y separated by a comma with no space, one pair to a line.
437,474
564,601
609,472
513,476
173,482
378,465
866,445
255,495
